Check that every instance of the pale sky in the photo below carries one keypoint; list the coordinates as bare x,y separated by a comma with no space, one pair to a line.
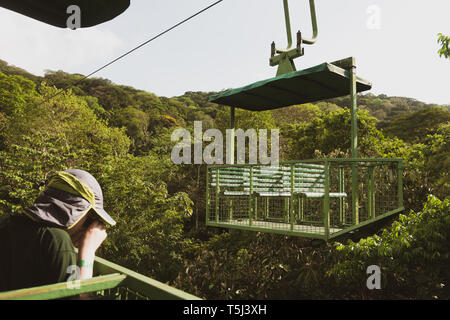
229,45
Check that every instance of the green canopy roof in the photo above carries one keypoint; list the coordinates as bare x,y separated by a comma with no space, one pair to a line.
54,12
321,82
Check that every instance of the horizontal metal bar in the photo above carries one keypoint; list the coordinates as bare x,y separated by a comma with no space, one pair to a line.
143,285
381,160
277,231
367,222
65,289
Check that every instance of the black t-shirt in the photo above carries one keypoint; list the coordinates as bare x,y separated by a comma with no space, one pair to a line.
33,254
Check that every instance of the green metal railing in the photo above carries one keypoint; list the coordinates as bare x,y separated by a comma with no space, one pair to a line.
111,281
321,198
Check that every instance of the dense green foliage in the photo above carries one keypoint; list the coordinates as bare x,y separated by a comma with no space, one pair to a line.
123,137
444,42
415,126
413,255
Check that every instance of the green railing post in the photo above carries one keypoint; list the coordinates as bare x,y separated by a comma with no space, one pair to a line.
341,199
286,210
371,195
353,109
139,283
326,201
355,195
255,208
291,199
217,194
208,200
250,199
230,155
300,208
354,141
400,183
266,209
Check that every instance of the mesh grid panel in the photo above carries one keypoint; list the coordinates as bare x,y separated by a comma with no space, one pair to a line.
118,293
293,198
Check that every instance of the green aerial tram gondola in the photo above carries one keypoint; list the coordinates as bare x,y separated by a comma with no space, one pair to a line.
320,198
55,12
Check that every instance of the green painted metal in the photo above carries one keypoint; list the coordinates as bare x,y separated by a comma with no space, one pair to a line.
400,183
301,209
365,223
54,12
284,232
230,212
341,200
230,154
309,161
281,185
326,201
288,24
286,210
371,193
354,139
208,199
312,9
285,58
306,178
321,82
146,286
355,195
291,87
250,206
217,194
108,276
65,289
266,208
354,110
291,198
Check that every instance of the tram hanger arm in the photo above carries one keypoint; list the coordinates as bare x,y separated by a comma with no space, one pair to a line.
312,40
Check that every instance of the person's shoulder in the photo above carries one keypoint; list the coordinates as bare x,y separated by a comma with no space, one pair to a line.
58,239
57,233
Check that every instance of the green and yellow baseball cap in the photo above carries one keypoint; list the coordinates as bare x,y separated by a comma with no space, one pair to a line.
67,198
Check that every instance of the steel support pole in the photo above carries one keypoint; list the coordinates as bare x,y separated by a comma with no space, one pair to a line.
288,24
230,150
400,183
250,199
291,199
341,199
326,201
354,142
208,200
371,193
217,194
312,9
230,157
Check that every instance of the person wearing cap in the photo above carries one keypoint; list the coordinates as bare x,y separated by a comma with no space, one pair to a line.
37,246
